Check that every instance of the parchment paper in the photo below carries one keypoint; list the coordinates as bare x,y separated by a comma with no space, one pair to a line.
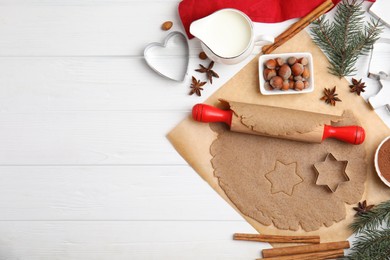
193,139
273,180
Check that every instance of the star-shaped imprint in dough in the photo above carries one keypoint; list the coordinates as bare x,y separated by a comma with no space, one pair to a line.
284,178
331,172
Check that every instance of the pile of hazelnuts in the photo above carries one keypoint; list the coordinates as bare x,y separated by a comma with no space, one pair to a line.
281,74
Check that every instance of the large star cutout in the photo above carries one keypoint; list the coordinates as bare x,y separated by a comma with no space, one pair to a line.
284,178
331,172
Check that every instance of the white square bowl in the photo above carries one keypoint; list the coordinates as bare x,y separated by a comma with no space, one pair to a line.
285,56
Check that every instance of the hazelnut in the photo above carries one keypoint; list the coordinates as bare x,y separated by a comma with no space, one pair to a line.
291,61
268,86
296,78
304,61
306,73
166,25
286,85
297,69
306,84
276,82
291,77
270,64
280,61
291,84
298,85
268,74
284,71
202,55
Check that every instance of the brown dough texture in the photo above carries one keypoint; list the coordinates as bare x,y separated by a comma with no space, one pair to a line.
266,119
252,172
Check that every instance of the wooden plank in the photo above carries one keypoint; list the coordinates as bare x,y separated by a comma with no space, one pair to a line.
108,193
92,28
83,30
86,138
136,240
93,83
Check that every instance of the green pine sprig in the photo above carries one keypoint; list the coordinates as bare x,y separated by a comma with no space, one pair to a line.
373,234
346,38
372,219
371,245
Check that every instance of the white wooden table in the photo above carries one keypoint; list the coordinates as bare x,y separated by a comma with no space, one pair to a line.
85,169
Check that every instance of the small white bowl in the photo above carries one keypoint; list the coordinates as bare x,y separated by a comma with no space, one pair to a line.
384,180
285,56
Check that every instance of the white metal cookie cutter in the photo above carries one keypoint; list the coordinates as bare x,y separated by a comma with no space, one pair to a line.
169,59
379,69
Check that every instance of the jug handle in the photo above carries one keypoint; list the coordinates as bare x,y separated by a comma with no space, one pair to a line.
263,40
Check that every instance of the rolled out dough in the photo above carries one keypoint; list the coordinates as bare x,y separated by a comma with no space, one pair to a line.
249,167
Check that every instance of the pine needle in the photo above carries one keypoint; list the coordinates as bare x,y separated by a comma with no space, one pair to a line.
373,234
372,219
346,38
371,245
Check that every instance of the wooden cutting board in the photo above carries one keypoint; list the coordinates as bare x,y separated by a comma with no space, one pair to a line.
192,139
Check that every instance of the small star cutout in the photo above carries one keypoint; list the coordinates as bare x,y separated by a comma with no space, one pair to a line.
284,178
331,172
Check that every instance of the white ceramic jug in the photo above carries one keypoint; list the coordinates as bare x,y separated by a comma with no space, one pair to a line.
227,36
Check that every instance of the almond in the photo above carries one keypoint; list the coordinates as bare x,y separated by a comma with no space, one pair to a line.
202,55
166,25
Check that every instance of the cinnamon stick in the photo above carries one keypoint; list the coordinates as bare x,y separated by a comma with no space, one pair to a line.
310,256
298,26
277,239
293,250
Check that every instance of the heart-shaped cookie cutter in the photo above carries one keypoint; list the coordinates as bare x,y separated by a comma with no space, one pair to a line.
174,48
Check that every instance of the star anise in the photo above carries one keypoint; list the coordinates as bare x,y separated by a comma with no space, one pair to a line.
196,86
330,96
357,86
209,72
362,208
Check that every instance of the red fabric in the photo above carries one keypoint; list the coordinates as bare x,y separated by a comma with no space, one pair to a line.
265,11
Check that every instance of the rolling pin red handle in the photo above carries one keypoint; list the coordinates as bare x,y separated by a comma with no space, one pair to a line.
349,134
209,114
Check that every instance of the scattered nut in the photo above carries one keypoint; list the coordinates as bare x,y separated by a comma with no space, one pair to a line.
202,55
270,64
268,74
166,25
284,71
276,82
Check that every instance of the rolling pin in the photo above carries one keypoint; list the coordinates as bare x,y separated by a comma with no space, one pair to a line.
349,134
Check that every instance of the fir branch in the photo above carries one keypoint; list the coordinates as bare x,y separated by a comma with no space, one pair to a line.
371,35
371,245
372,219
346,38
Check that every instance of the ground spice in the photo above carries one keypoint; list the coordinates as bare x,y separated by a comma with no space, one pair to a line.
384,160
